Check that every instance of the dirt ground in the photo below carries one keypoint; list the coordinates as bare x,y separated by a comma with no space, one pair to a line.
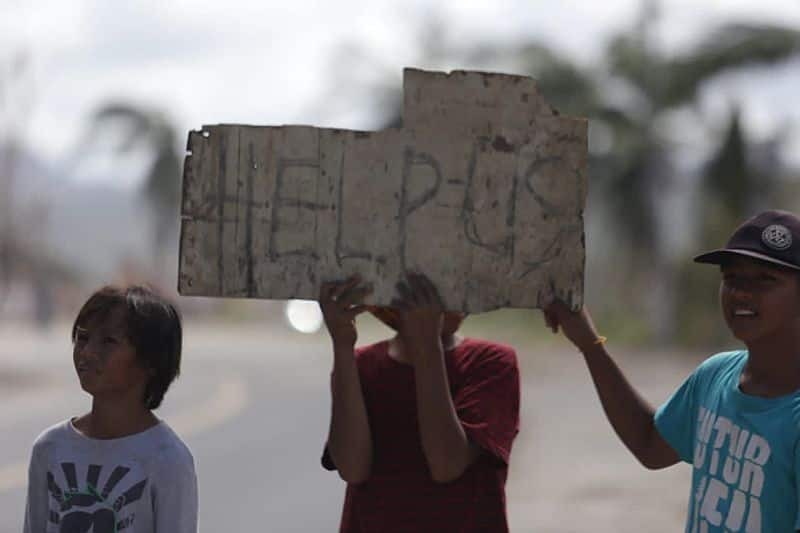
569,471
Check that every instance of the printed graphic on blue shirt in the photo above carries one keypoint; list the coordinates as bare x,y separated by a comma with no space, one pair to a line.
83,507
745,450
732,461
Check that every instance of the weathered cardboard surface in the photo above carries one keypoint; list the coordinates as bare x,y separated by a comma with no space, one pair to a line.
483,190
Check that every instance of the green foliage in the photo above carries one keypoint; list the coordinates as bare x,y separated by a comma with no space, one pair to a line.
732,186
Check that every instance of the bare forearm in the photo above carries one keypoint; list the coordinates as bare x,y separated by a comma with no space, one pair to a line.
349,438
629,414
444,442
631,417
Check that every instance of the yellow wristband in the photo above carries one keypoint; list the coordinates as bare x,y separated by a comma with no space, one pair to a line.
600,340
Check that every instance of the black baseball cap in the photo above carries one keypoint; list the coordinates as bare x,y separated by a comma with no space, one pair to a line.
772,236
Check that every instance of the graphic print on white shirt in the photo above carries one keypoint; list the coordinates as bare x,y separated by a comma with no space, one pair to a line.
83,507
732,460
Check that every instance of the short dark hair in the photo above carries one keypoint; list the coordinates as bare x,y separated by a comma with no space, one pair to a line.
153,327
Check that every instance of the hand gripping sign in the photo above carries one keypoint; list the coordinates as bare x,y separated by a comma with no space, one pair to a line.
482,189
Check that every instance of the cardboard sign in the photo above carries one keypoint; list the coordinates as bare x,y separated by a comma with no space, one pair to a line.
482,189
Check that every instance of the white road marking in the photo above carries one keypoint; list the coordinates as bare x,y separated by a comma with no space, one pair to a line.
228,400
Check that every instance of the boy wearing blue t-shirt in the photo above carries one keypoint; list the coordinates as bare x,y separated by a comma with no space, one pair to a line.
736,419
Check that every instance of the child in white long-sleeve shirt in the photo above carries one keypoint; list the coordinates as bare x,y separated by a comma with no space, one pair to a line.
118,467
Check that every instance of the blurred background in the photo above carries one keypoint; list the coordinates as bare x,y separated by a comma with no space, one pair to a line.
694,125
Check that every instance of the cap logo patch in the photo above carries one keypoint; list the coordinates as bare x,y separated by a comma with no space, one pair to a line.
777,237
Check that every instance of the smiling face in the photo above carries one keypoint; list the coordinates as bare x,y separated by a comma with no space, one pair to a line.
104,358
760,301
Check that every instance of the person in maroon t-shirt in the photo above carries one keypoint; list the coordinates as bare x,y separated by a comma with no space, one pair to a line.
421,424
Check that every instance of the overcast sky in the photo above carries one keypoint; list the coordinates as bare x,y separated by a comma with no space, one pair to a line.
268,62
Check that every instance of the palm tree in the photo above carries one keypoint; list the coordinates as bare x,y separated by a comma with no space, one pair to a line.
665,84
148,129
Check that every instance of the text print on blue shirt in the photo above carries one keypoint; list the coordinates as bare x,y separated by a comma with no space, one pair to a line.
734,474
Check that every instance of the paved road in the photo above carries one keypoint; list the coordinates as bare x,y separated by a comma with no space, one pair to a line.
253,406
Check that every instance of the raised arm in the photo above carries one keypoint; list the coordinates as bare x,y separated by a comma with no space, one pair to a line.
447,449
349,437
630,415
